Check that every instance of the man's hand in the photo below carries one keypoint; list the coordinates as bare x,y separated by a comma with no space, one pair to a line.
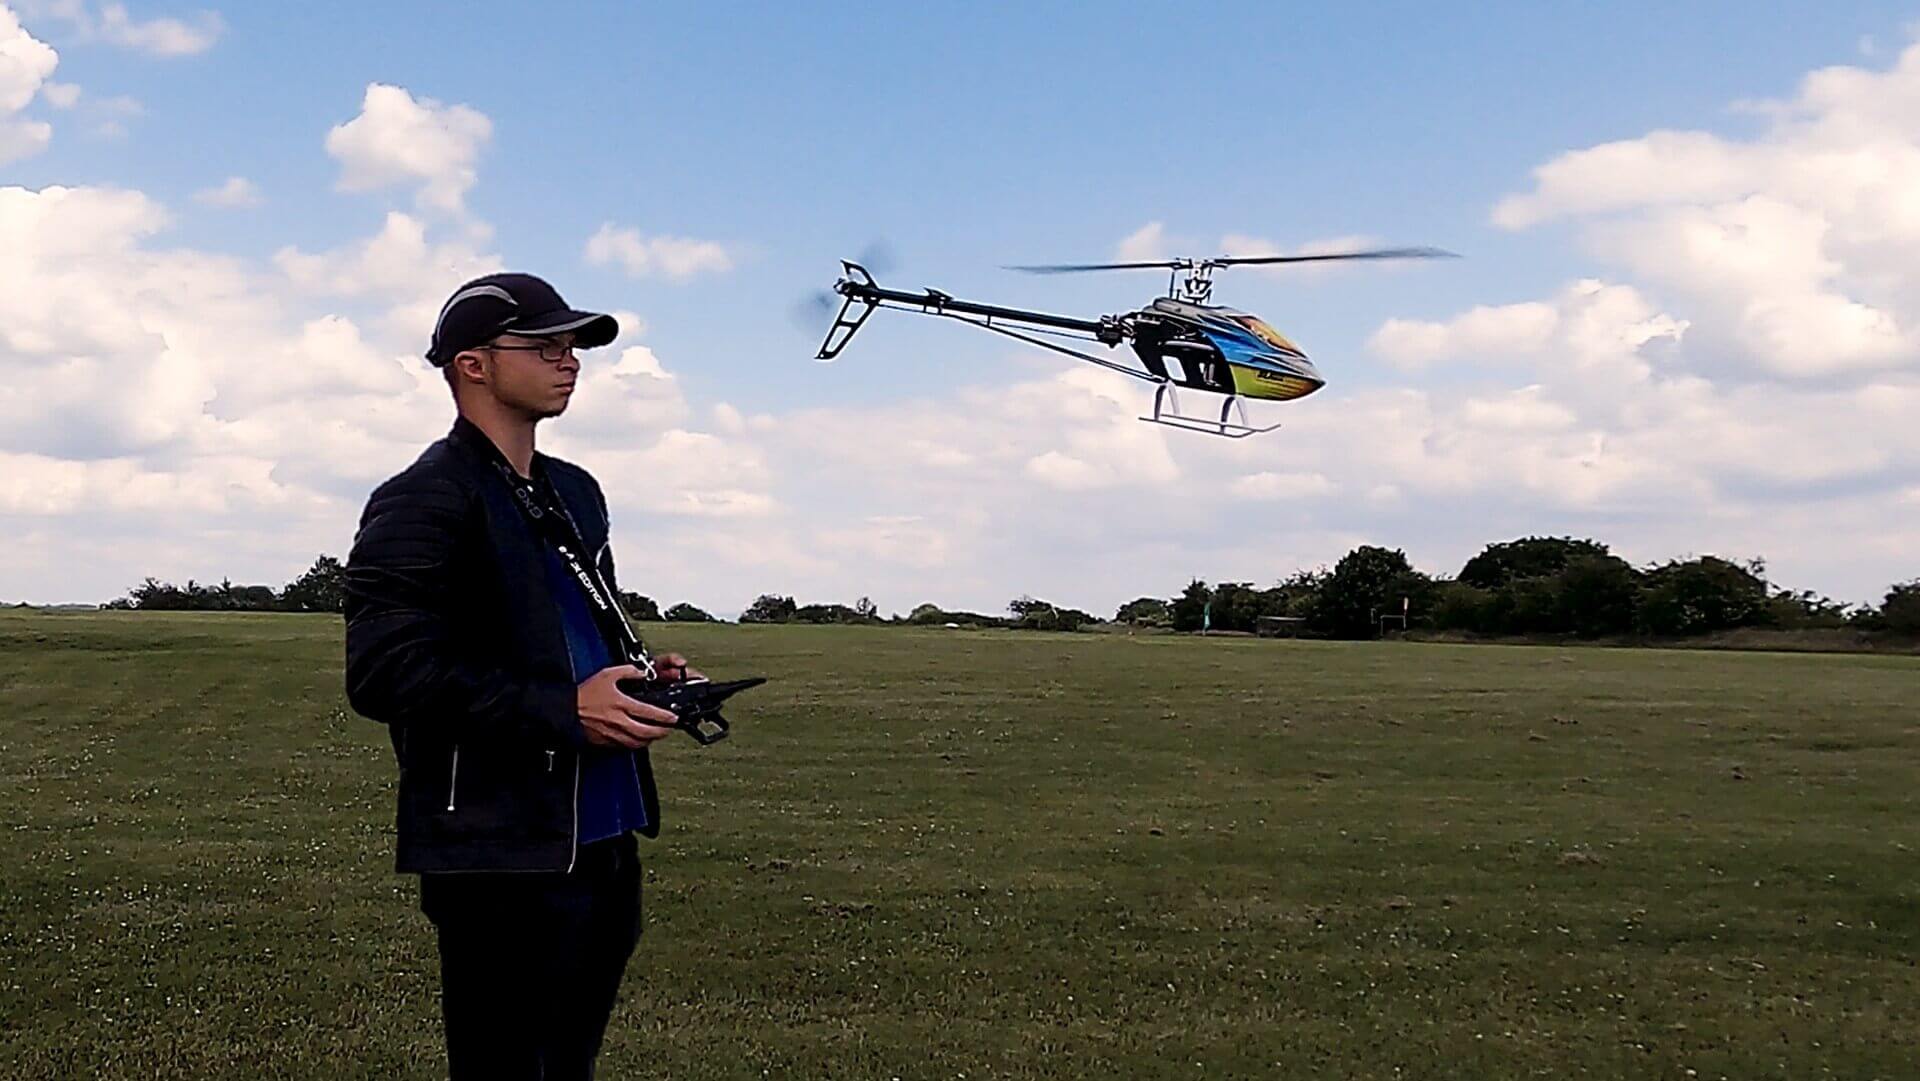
611,719
672,666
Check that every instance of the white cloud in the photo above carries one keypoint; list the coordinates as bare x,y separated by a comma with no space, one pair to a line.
1526,409
398,139
402,265
181,413
61,95
160,37
639,256
904,540
1270,485
25,64
1503,331
237,192
1791,247
1145,244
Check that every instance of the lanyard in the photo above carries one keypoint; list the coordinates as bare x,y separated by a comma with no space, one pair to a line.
551,519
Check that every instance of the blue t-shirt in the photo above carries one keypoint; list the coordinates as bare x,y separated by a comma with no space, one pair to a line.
610,798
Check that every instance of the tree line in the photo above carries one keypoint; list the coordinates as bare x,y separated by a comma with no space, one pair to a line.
322,588
1533,586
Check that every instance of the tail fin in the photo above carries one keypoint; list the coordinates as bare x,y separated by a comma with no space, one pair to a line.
858,288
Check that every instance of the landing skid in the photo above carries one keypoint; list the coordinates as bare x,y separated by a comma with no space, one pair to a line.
1173,418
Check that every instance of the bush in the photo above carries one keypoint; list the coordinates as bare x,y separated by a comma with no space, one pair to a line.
1458,606
1596,595
1701,596
769,608
1528,557
687,613
639,607
323,588
1145,612
1189,611
1901,611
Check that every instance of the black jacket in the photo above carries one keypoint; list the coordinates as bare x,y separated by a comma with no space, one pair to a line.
455,642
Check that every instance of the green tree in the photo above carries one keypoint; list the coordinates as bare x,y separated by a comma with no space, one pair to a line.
1190,606
1022,606
1293,596
1031,614
1367,582
824,613
1807,610
1900,613
1596,595
1701,596
1528,557
1458,606
769,608
639,607
1237,606
687,613
323,588
1145,611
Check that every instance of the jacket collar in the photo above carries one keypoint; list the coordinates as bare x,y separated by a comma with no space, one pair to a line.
466,434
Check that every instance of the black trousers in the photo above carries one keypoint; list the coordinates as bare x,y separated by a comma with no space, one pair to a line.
530,962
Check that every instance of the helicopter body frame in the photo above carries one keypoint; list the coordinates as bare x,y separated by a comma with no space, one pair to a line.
1180,340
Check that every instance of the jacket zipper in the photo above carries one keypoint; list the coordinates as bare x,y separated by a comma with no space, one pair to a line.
453,777
573,840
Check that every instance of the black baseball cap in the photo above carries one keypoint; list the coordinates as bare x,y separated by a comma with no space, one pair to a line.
496,304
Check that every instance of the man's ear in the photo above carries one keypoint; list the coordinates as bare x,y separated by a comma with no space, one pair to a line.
468,364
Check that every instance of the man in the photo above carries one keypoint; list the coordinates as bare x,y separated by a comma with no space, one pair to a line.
477,635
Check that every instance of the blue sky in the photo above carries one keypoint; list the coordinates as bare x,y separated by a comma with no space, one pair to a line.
967,138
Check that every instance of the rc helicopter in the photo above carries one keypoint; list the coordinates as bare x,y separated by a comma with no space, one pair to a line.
1180,339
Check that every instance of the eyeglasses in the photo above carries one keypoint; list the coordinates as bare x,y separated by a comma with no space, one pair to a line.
550,351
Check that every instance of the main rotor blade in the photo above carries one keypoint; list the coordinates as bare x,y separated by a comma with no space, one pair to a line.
1378,253
1073,268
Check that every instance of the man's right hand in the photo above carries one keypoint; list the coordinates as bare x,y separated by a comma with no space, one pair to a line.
612,719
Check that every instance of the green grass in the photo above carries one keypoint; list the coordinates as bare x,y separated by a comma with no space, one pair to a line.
946,854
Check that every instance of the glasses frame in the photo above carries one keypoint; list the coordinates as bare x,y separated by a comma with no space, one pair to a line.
561,350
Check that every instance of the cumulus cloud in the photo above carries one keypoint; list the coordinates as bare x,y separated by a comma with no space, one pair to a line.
1270,485
1499,331
1145,244
162,394
237,193
181,395
404,266
640,256
161,37
25,64
398,139
1789,247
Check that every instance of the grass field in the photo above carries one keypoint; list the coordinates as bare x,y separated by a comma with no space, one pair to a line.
955,854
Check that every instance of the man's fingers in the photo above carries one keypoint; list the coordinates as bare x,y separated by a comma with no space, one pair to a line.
628,732
652,715
612,733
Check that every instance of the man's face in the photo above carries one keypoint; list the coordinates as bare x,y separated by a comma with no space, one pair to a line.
520,377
